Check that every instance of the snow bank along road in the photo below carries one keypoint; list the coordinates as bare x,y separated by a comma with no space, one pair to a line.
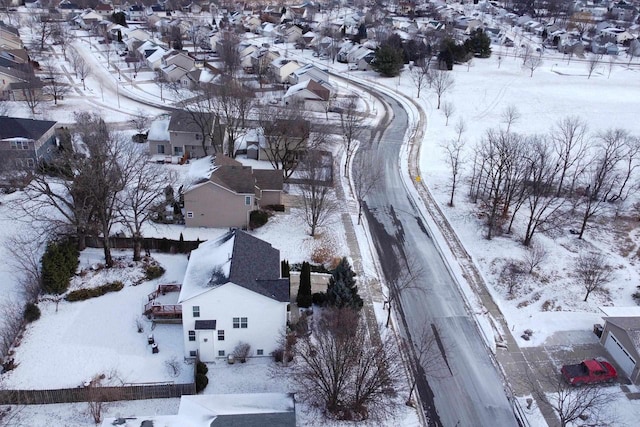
466,389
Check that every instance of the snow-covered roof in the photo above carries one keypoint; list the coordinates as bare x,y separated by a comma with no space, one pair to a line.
227,409
236,257
159,129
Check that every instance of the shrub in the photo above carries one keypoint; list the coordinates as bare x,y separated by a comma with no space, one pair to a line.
31,312
636,295
319,298
278,355
257,219
201,382
153,271
84,294
241,352
201,368
59,264
9,365
275,208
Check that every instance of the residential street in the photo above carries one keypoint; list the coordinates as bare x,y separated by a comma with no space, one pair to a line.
466,389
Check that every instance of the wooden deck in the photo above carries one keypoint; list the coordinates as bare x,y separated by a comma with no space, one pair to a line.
156,310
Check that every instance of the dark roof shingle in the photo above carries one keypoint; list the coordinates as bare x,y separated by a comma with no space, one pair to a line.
13,127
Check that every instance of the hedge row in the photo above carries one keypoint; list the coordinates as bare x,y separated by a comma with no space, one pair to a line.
83,294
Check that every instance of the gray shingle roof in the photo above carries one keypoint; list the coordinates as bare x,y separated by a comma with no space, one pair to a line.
183,121
255,265
238,179
269,179
13,127
282,419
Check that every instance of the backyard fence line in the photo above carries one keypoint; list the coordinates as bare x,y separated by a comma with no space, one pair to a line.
148,243
95,394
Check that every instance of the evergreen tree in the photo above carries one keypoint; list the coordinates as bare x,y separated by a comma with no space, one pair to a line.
342,290
304,290
478,44
59,263
388,60
181,248
284,268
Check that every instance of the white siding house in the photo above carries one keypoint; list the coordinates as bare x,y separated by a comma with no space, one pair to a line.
232,292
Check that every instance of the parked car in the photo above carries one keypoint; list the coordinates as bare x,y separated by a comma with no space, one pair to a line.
353,67
590,371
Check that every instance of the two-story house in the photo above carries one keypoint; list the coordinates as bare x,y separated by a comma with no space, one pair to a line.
9,37
233,293
230,194
183,132
281,68
25,142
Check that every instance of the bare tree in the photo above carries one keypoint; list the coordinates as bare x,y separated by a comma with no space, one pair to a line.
532,63
83,70
602,177
200,112
339,369
510,116
11,323
287,134
543,204
140,121
441,81
592,271
453,154
142,196
74,59
26,253
229,53
535,256
351,124
419,76
317,198
233,103
511,275
592,64
365,178
569,137
32,95
448,109
54,86
573,403
62,36
41,27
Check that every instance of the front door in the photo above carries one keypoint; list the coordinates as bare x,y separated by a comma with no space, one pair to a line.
205,346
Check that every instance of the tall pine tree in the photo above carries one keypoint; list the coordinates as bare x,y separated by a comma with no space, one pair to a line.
304,290
342,290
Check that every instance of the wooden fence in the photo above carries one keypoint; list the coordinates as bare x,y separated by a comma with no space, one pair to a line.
95,394
148,243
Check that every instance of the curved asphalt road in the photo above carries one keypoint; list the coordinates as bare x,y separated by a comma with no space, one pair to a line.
466,390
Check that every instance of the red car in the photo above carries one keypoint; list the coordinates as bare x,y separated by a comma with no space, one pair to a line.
589,372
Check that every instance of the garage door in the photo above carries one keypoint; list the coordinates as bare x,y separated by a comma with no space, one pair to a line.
620,354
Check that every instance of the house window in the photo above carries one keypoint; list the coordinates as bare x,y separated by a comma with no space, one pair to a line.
198,137
240,322
221,353
221,335
160,149
31,163
196,311
247,200
192,335
260,352
20,145
177,151
189,214
193,353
